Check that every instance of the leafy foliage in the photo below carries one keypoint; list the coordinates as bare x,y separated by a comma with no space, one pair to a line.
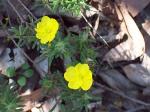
58,48
21,81
9,101
25,66
47,84
73,6
84,47
10,72
25,35
26,72
74,101
72,49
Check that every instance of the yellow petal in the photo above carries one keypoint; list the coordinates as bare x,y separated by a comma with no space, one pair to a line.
70,74
86,85
79,76
46,29
74,84
45,19
87,75
55,24
80,66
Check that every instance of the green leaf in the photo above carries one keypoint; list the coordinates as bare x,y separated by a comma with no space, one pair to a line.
25,66
28,73
9,100
10,72
22,81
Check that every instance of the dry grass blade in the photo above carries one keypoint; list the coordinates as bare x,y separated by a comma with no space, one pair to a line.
21,19
96,25
27,9
93,28
122,95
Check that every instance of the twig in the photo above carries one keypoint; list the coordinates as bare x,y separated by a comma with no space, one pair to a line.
136,109
93,28
21,50
122,95
96,25
27,9
34,64
57,102
21,19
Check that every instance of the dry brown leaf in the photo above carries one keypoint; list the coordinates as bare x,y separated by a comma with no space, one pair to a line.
119,14
91,11
147,42
47,106
139,73
133,32
116,80
146,91
29,100
136,6
134,46
111,37
121,52
108,9
41,65
7,61
146,26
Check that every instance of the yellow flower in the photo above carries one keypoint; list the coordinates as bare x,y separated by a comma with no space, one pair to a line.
46,29
79,76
